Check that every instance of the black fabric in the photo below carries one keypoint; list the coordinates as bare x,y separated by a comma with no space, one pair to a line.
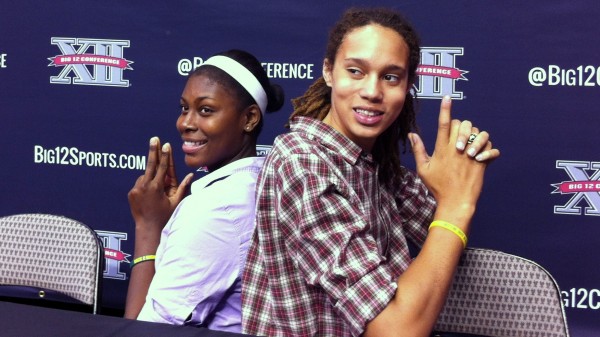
28,320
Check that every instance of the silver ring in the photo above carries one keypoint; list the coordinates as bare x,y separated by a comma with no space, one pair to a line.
471,138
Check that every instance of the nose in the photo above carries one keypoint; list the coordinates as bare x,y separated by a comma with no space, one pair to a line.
185,122
371,89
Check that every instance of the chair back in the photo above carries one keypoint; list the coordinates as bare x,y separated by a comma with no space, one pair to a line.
499,295
52,254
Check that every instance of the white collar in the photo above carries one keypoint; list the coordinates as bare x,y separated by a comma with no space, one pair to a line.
248,163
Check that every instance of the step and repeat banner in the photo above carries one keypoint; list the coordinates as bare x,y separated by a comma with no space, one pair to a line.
85,85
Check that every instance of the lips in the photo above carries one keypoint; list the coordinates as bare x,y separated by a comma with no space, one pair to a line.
192,146
368,116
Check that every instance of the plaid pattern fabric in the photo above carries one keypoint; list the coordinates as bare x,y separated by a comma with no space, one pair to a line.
330,240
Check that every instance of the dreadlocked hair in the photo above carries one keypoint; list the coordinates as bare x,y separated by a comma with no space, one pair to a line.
315,102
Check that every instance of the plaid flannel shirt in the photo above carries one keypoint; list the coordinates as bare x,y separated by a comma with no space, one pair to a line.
330,241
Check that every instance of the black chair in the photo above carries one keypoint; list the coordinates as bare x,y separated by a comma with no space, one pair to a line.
50,260
497,294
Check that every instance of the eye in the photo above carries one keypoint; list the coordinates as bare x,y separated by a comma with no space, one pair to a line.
354,71
184,108
204,110
391,78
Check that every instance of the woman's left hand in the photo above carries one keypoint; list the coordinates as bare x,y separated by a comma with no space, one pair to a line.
454,171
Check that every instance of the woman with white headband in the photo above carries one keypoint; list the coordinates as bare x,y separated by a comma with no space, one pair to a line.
190,252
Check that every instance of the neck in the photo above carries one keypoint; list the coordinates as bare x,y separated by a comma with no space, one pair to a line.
248,149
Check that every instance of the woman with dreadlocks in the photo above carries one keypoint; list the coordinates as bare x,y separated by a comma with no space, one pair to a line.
335,209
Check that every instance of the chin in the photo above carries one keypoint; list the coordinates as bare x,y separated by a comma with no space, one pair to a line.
193,163
369,134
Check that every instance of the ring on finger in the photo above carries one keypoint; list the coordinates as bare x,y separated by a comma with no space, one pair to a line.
471,138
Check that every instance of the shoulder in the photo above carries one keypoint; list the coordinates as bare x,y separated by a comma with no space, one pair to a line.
298,156
295,143
293,147
233,188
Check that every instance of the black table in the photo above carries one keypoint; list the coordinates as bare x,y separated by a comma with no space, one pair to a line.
29,320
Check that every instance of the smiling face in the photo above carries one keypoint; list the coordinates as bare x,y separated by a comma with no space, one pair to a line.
212,127
369,82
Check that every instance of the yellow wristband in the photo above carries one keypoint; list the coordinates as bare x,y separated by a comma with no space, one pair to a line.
452,228
142,259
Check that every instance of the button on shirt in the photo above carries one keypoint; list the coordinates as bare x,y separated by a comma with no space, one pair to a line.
331,240
202,251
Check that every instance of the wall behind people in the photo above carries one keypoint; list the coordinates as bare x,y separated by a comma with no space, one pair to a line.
84,87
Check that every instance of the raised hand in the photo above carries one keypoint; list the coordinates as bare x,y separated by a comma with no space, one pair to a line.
454,172
156,193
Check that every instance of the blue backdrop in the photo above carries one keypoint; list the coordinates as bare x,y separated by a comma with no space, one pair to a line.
84,85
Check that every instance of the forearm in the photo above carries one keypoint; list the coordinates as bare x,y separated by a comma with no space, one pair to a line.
139,283
423,287
146,243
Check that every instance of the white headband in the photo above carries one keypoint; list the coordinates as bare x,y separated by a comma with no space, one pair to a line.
243,76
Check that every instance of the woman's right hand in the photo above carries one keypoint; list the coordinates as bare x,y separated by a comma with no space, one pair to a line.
156,193
454,173
152,200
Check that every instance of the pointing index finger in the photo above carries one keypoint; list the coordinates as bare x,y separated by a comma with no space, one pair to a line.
444,120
